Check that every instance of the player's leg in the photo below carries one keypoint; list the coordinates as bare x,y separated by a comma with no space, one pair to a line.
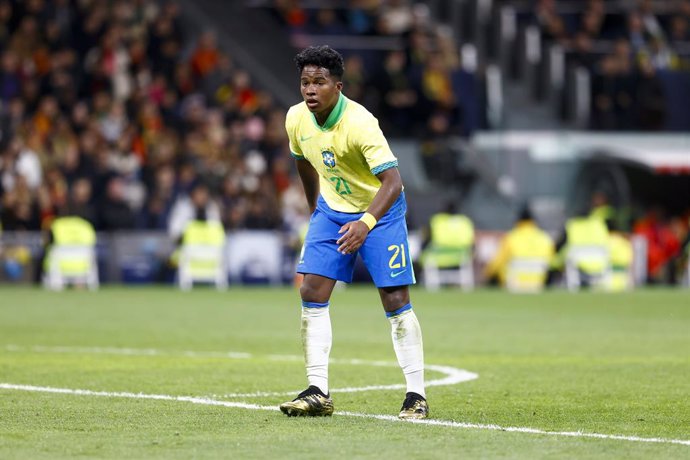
316,328
386,255
316,339
407,343
322,265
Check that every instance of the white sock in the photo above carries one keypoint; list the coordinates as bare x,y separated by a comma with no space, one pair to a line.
316,340
407,342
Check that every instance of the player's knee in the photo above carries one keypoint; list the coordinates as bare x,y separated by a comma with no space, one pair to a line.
310,293
394,298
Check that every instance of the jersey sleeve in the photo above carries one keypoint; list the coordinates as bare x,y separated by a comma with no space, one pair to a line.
374,146
291,123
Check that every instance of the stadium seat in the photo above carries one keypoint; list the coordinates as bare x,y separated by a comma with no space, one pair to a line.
202,255
526,275
71,264
619,280
449,257
593,256
202,263
461,275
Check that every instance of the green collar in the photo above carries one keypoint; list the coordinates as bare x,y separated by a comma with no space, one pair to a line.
335,115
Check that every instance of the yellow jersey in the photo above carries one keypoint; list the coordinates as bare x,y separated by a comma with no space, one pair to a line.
348,151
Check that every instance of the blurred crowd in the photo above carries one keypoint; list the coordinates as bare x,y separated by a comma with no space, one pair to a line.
110,111
626,50
416,83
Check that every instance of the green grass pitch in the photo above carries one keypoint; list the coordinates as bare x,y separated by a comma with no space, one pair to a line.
609,364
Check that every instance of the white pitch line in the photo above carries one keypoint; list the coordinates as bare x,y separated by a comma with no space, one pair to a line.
387,418
452,375
128,351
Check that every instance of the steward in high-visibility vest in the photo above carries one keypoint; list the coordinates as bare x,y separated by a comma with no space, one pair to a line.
200,233
71,231
207,233
601,209
621,258
585,231
525,241
603,213
451,240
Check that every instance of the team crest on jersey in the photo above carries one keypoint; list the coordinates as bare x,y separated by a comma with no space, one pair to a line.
328,159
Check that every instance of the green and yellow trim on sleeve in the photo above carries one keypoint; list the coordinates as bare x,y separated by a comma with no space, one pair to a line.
382,167
297,157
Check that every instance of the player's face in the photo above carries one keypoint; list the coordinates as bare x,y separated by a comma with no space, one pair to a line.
319,90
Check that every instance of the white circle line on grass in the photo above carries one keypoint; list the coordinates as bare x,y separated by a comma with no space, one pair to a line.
388,418
451,376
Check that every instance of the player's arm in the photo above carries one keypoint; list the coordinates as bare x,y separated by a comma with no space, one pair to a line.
391,187
310,182
355,232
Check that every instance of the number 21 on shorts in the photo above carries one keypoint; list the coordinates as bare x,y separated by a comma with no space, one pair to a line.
398,258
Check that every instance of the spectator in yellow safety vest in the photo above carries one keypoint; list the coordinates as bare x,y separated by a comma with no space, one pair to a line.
600,207
448,239
586,232
66,229
621,259
526,241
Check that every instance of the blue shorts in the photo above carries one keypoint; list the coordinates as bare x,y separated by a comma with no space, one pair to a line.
385,251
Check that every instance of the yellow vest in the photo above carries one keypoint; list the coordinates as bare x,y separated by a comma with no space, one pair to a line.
452,237
603,212
525,241
621,252
71,231
201,233
204,233
588,231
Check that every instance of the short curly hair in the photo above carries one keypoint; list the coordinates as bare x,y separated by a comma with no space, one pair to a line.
321,56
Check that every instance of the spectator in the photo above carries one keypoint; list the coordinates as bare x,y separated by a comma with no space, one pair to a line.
679,30
650,99
161,197
582,54
526,241
18,210
397,95
662,244
448,229
186,207
604,88
621,254
327,23
10,83
80,201
396,18
636,32
585,235
354,78
114,212
659,55
206,55
649,20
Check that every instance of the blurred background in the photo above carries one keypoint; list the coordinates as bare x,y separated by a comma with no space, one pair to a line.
134,115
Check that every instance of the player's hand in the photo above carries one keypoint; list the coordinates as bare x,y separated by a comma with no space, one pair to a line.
354,234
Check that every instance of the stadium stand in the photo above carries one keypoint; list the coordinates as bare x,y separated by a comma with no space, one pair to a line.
400,60
632,59
112,105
